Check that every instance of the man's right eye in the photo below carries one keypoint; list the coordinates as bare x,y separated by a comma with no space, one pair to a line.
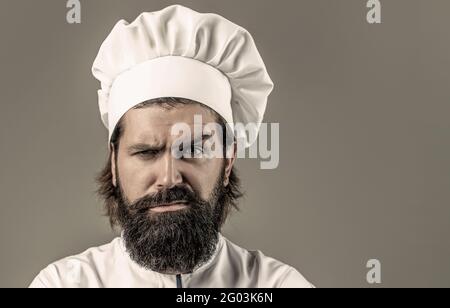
146,153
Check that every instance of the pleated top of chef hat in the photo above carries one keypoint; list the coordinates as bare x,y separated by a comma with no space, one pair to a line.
178,52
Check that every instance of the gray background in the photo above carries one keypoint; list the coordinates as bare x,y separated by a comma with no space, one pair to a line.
365,148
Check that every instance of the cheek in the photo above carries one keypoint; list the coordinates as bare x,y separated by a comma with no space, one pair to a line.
134,178
204,177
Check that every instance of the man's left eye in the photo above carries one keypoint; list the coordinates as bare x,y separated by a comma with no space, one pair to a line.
194,151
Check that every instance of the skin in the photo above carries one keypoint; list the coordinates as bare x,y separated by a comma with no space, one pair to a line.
145,173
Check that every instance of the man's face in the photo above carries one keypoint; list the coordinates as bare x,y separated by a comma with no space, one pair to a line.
145,161
168,206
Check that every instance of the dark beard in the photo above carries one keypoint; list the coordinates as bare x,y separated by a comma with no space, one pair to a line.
172,242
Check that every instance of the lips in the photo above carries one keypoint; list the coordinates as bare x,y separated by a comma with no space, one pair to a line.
169,207
181,202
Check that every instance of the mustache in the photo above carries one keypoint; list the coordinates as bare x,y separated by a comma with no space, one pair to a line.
176,194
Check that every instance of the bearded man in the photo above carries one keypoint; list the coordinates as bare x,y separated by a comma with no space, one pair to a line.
164,191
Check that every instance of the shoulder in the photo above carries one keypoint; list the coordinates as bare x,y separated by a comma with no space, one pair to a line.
269,271
78,270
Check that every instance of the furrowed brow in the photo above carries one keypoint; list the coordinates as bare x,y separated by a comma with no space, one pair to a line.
139,147
199,139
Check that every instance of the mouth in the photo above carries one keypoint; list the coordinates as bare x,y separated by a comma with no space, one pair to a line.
170,207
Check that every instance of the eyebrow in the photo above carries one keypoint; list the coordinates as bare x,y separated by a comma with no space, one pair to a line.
139,147
201,138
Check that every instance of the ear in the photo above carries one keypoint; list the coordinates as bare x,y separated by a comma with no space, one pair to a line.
229,163
113,165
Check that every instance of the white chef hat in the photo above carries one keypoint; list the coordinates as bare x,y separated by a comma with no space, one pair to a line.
178,52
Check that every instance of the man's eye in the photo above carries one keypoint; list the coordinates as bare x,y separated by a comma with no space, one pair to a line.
193,151
145,153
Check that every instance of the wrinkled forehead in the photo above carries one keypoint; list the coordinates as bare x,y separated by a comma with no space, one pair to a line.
154,123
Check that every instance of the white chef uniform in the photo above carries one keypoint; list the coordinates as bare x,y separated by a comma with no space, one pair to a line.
110,266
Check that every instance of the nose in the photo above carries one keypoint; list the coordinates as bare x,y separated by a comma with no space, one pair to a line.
168,174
